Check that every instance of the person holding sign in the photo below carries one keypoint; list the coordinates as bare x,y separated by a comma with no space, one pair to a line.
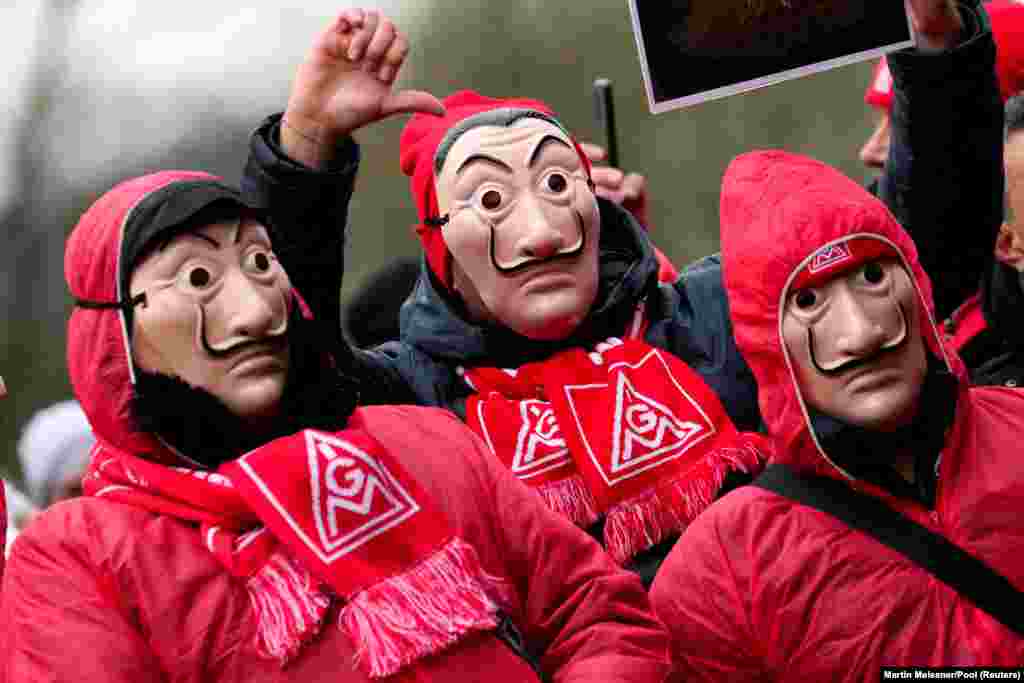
887,530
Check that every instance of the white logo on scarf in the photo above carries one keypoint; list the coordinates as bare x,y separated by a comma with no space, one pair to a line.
645,432
354,497
540,446
644,428
829,256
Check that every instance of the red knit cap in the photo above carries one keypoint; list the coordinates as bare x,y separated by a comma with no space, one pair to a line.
420,140
1007,18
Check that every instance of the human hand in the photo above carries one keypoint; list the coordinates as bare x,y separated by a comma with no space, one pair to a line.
936,23
347,82
626,189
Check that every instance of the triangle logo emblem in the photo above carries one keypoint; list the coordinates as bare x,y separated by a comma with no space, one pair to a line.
354,497
625,431
828,257
645,429
540,446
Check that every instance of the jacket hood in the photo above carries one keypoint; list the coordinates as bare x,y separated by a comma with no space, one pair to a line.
435,322
780,212
100,253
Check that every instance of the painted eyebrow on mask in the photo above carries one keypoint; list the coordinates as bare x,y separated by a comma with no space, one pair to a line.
543,145
483,157
194,235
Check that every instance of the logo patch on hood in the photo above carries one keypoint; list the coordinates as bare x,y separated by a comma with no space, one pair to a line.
840,257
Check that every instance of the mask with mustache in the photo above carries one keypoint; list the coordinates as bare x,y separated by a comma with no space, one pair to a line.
204,431
892,346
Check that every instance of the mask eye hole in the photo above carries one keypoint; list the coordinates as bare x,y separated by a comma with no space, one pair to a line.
259,261
199,277
491,200
873,272
557,183
805,299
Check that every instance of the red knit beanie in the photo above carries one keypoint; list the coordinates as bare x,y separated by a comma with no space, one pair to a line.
420,140
1007,17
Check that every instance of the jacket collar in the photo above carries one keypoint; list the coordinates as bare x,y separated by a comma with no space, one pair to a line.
866,454
1002,301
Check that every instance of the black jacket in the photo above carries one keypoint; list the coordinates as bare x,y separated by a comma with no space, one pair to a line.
995,357
944,177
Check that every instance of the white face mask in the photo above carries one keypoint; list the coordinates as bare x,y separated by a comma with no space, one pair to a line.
523,227
216,315
856,345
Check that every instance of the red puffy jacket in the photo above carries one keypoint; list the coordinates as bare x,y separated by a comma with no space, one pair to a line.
103,591
762,588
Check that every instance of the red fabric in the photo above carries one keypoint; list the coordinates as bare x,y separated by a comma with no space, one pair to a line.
761,588
351,512
369,539
646,437
968,322
419,142
667,271
289,603
113,593
3,530
1007,18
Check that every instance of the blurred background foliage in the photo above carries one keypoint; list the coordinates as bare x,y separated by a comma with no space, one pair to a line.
550,51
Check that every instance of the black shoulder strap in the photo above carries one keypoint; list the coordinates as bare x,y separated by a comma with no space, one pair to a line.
967,575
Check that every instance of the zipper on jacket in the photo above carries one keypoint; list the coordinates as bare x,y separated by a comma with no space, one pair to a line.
508,633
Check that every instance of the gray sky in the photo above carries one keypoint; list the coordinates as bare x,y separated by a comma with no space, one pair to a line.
142,74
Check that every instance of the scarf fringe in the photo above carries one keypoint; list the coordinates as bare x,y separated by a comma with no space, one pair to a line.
570,498
421,611
290,610
635,525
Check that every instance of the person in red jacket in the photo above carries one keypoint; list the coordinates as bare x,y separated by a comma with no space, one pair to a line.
245,521
834,314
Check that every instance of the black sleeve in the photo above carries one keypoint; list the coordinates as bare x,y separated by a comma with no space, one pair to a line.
308,212
944,177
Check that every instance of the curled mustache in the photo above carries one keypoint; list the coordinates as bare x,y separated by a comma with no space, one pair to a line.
273,337
889,347
565,254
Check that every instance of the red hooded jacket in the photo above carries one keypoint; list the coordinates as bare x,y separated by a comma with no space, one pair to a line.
762,588
107,592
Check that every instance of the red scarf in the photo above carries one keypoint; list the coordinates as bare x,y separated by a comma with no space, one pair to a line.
314,516
629,431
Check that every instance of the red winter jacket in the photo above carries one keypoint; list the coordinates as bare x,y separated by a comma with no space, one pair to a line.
761,588
102,591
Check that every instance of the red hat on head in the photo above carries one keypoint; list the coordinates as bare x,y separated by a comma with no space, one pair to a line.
1007,17
419,143
841,257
